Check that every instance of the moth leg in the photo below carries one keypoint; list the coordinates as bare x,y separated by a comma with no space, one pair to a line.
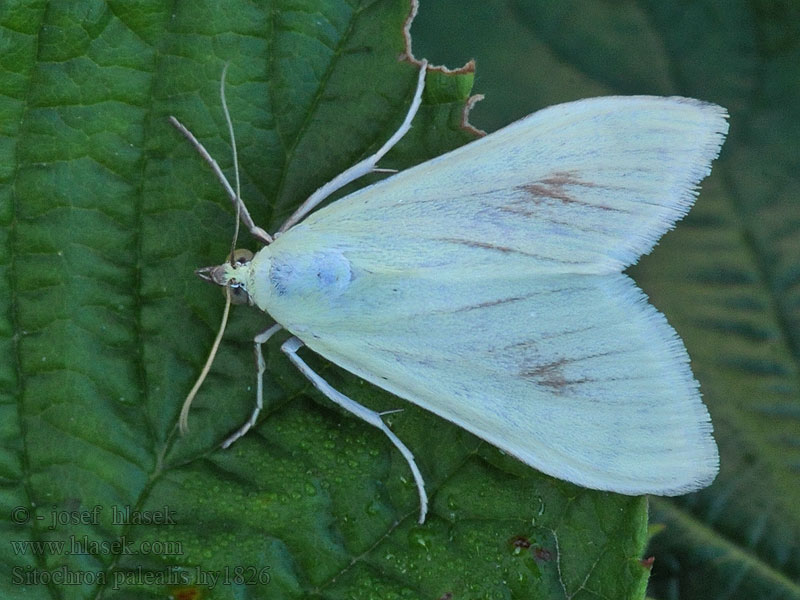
368,165
290,347
244,214
262,366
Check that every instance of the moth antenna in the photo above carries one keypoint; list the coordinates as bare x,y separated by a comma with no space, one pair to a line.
235,158
183,421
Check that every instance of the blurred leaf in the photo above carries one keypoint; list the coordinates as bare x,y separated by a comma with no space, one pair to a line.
728,277
106,211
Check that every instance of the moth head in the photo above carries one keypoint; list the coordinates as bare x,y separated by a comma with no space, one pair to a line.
231,273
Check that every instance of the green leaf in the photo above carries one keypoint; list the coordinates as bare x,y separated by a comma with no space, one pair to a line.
107,210
727,277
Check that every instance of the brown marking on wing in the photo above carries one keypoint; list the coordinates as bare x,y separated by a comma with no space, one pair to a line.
506,250
492,303
477,244
550,375
556,187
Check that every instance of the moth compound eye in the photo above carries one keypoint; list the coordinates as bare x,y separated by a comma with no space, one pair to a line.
239,295
241,256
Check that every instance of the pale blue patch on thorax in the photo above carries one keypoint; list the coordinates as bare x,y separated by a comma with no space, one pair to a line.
325,273
295,282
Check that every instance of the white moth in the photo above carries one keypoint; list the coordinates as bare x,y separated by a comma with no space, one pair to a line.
486,286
